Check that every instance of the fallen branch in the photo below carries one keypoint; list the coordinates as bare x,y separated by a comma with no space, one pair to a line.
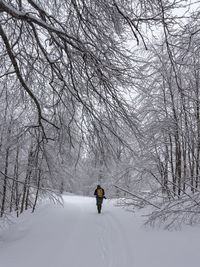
136,196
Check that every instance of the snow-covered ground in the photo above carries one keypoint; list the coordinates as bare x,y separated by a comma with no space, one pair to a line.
76,236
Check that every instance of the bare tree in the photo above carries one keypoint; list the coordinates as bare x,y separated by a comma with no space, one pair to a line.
67,67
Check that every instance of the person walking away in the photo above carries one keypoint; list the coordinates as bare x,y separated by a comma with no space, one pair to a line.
100,195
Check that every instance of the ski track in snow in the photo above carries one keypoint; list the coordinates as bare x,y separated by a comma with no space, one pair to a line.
75,235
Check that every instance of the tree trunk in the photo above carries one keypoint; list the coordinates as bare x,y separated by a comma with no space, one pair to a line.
4,185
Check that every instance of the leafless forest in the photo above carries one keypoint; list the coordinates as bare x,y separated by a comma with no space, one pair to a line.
95,91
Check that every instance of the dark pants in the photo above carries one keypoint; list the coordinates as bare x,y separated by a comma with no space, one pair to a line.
99,204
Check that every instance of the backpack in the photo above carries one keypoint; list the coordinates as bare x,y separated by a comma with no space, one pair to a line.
100,192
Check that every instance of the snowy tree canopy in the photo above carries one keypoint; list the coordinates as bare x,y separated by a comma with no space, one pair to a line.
103,91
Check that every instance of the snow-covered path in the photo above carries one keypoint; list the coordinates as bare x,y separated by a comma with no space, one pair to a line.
76,236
